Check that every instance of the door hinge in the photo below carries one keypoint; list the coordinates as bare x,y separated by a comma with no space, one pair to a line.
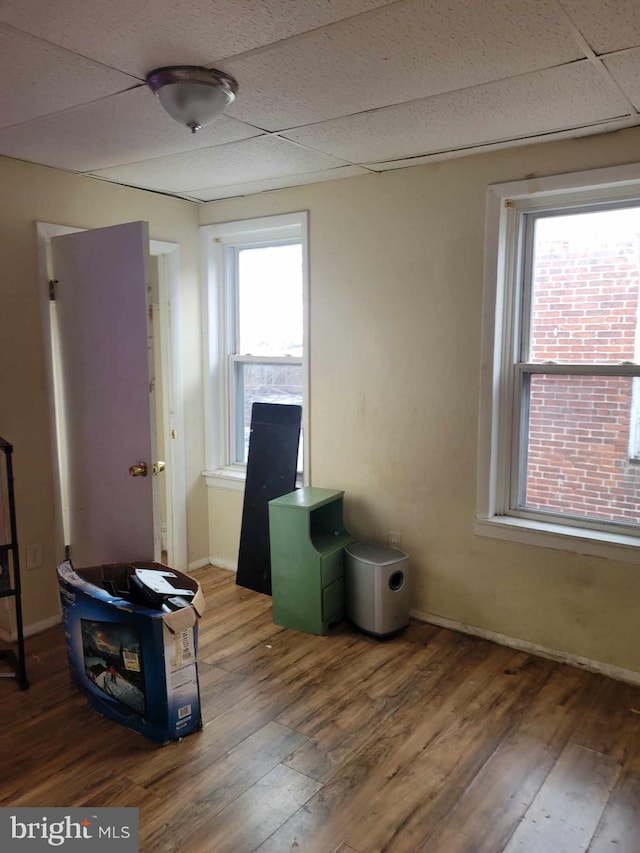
52,289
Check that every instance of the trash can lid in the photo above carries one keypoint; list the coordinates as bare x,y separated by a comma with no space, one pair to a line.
378,555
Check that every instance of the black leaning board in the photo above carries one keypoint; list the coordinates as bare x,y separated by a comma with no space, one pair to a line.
271,472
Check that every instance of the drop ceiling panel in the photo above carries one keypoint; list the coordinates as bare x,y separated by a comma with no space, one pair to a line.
607,25
238,162
591,130
543,102
39,78
123,128
341,82
625,68
138,36
400,52
251,187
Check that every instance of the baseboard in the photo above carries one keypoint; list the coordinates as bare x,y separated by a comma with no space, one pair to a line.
38,627
229,565
601,668
30,630
198,564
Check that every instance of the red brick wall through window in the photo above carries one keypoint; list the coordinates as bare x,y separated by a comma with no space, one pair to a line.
585,309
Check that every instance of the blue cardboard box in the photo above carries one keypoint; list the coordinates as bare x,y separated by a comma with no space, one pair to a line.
138,666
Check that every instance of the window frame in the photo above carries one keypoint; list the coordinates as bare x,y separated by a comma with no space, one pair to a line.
634,436
505,312
220,243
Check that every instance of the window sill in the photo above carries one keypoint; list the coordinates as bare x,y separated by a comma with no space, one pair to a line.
577,540
231,479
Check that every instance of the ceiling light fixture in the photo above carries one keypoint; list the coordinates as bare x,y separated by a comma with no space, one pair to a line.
192,95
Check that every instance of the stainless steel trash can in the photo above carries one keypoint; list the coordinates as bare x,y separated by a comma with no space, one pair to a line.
377,588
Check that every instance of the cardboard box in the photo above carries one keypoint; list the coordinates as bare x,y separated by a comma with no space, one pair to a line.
138,666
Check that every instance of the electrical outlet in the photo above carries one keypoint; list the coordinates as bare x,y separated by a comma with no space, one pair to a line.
34,556
395,539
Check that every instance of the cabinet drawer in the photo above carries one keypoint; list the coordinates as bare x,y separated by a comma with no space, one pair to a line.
331,567
333,601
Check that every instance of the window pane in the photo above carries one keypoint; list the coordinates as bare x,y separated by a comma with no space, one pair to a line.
270,300
264,383
578,447
585,281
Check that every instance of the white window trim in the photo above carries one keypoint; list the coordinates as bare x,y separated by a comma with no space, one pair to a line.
634,432
496,410
217,302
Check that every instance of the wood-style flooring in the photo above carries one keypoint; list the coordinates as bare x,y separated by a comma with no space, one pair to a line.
432,741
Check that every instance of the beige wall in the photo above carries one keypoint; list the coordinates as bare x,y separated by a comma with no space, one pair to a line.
396,294
395,343
31,193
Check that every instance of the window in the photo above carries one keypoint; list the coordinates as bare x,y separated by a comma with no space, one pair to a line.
559,417
256,293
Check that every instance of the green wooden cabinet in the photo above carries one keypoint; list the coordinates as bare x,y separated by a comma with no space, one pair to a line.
307,537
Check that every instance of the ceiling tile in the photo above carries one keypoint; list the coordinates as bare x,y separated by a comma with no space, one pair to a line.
401,52
248,160
123,128
251,187
137,37
606,126
26,62
327,74
607,25
625,68
555,99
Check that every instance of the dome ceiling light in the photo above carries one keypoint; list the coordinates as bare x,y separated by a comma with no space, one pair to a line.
192,95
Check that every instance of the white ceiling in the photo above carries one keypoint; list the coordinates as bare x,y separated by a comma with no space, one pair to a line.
328,88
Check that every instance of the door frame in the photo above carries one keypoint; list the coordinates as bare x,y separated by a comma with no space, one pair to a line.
173,398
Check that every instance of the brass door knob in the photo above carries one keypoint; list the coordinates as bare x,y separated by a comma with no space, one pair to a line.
139,470
158,468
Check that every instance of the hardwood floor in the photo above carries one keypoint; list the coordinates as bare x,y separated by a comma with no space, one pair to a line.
433,741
